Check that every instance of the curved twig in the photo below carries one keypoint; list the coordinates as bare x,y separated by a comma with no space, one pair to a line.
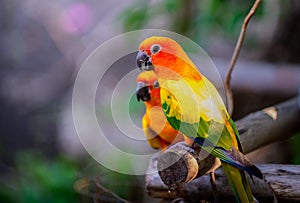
236,54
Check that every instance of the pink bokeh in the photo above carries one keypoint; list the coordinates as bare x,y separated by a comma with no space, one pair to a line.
77,18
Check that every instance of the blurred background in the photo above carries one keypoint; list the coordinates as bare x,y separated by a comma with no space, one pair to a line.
42,45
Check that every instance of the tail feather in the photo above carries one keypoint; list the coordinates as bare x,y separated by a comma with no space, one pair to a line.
239,184
238,159
233,157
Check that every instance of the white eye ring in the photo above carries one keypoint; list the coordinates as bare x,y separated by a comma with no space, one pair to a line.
155,48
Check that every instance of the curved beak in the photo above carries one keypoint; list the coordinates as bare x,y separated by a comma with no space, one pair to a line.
142,92
144,61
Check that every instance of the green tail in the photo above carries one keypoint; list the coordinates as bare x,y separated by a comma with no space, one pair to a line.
239,184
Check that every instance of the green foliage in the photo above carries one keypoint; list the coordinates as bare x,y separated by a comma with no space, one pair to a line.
41,180
196,19
125,186
136,16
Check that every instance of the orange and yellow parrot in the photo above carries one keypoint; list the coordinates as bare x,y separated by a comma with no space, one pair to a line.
193,106
159,133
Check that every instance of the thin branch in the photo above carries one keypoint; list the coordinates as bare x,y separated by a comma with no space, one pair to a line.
120,199
93,188
236,54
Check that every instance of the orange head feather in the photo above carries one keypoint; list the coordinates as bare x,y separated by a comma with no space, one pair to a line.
148,77
167,57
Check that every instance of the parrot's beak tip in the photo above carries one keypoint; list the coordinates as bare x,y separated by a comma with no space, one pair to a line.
138,97
143,61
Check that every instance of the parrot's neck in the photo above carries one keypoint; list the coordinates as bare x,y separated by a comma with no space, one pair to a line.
152,104
164,74
155,99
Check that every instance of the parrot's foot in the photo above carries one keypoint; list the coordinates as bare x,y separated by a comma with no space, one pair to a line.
183,146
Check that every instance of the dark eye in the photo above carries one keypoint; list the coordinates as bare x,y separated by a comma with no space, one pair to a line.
155,48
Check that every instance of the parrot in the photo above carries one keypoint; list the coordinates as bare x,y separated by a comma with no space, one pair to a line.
159,133
193,106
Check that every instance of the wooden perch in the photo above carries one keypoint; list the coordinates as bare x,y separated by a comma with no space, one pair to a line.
177,166
283,179
272,124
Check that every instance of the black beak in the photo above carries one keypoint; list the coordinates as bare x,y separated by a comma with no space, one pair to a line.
142,92
143,61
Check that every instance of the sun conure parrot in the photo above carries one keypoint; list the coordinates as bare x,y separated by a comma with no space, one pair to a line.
193,106
159,133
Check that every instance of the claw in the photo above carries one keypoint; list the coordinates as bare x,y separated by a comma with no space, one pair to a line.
183,146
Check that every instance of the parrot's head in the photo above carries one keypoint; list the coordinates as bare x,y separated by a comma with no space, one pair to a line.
147,87
157,53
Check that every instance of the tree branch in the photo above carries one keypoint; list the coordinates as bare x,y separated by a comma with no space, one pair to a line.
236,54
270,125
284,180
